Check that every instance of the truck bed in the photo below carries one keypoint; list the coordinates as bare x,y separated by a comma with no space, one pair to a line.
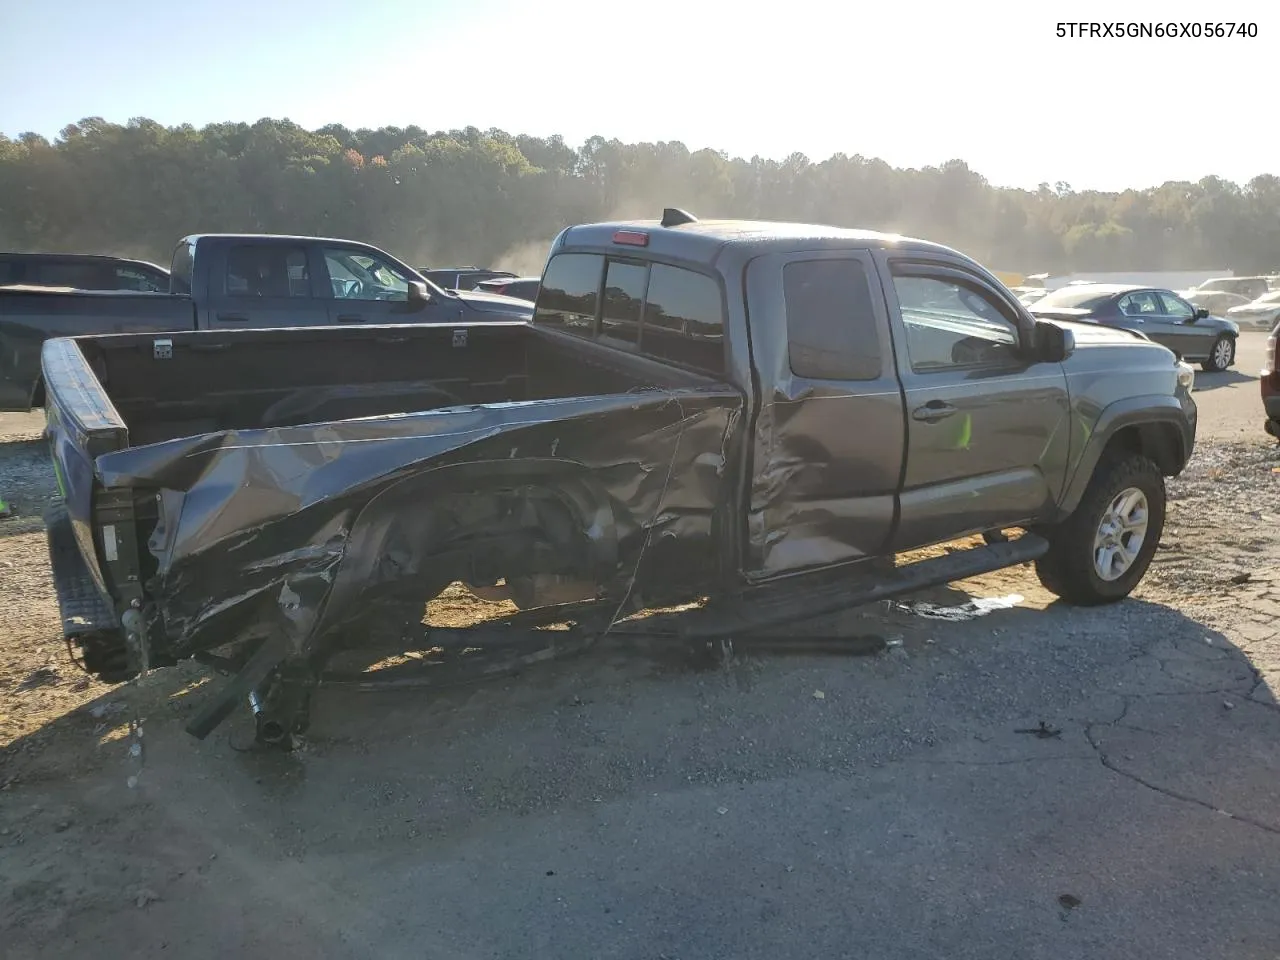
258,379
226,483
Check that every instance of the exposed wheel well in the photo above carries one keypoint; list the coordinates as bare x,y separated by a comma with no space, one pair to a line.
1159,442
476,525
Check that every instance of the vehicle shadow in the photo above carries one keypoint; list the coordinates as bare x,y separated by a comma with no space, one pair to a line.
1151,723
1213,381
656,670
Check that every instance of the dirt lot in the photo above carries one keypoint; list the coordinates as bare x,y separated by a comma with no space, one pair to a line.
1039,782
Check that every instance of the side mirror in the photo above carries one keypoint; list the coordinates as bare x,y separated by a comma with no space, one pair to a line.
1200,314
1053,343
418,293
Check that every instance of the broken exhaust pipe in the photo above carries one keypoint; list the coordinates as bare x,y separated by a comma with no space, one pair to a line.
269,730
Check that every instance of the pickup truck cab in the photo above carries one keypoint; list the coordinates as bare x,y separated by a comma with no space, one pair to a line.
230,281
742,412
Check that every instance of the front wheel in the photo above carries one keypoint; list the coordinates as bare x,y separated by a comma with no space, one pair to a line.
1221,355
1100,553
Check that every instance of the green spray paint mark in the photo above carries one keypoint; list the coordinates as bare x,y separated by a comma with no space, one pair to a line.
966,433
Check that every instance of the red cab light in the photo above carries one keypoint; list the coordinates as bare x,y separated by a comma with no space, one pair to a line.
632,238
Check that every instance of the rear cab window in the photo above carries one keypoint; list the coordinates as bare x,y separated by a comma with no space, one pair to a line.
832,333
663,311
81,275
139,280
180,268
267,270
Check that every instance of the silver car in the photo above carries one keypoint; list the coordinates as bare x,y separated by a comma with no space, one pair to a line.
1261,314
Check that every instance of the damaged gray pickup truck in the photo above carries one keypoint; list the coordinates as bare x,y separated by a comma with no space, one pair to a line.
757,416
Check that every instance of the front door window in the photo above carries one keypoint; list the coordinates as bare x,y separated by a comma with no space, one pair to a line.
359,275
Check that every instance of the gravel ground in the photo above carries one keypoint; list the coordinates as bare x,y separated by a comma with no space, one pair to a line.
1039,782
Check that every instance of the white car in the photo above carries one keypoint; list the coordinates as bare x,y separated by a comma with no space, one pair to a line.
1261,314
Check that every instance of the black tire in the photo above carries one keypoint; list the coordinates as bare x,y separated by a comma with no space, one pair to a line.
1213,364
1068,568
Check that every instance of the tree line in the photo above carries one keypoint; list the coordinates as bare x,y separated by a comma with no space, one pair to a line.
494,198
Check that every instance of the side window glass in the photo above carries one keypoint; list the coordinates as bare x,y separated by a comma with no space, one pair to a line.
81,276
624,289
359,275
684,319
951,325
130,278
267,271
831,325
1139,304
1176,307
570,293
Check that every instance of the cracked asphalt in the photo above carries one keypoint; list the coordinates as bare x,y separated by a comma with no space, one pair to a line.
1040,782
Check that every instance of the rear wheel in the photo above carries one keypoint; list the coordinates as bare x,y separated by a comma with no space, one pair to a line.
1221,355
1100,553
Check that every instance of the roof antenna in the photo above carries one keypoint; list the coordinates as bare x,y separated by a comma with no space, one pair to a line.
675,217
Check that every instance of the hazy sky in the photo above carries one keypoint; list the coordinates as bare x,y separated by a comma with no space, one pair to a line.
914,83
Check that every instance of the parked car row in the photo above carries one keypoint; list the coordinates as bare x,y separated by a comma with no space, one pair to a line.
1259,314
1251,301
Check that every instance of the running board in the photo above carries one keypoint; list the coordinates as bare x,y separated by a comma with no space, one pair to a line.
777,604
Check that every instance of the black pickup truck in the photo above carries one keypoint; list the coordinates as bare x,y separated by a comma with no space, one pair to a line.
229,281
736,412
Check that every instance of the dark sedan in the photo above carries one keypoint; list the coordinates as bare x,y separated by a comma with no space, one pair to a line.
1161,315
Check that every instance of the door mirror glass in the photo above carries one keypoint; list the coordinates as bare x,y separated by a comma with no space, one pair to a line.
1200,314
418,293
1053,343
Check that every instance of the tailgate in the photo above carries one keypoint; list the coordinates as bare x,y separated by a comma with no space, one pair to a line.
82,424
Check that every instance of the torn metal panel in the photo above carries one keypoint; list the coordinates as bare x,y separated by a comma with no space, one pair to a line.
289,531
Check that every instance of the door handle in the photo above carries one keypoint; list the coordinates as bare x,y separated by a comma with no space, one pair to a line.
932,411
349,318
233,318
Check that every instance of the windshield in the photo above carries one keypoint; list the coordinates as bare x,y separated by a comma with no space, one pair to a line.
1081,297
